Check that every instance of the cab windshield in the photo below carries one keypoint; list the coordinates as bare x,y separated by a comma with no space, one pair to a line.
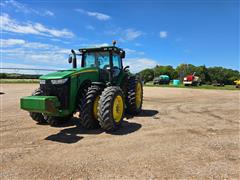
95,59
101,60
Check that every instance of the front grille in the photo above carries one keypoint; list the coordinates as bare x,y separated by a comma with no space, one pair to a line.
62,91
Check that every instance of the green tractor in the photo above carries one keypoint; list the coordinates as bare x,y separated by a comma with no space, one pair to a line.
100,92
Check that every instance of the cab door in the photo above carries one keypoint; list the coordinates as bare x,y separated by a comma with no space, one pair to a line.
103,61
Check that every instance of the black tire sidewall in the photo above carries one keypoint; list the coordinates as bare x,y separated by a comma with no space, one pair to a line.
86,103
106,118
38,117
118,93
131,96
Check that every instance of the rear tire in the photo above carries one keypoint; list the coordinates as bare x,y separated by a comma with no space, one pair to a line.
38,117
134,97
111,108
88,107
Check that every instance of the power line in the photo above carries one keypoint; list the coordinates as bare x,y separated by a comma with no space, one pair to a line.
30,69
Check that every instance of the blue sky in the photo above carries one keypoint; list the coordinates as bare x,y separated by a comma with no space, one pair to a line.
40,34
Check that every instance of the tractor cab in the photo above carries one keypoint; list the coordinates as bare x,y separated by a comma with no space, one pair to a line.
107,59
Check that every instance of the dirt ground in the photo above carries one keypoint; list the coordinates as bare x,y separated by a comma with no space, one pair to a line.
181,134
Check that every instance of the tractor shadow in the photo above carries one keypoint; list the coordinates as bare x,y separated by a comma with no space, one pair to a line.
144,113
147,113
73,134
126,128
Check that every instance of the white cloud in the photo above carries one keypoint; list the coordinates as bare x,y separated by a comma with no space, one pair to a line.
28,66
163,34
11,25
49,13
5,43
138,64
130,34
20,7
124,35
32,52
100,45
11,42
98,15
89,27
133,52
17,65
94,45
137,44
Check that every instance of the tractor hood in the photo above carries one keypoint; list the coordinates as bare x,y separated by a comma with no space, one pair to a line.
57,75
66,73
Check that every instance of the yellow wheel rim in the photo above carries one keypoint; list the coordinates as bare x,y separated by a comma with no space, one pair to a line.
117,108
95,107
138,95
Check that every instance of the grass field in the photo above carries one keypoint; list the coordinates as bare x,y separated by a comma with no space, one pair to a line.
226,87
150,84
19,81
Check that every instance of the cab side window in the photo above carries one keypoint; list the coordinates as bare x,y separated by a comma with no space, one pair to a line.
103,60
89,60
117,63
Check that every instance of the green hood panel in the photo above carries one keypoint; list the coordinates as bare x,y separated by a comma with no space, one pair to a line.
57,75
66,73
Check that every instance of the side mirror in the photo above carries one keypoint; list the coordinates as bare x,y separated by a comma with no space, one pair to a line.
70,59
125,68
123,54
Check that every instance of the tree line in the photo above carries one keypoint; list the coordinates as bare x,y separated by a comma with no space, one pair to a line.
18,76
208,75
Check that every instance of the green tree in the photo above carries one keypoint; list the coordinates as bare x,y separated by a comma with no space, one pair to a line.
165,70
207,75
3,75
185,69
147,75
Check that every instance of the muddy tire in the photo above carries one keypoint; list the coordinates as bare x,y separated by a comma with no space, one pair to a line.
134,98
111,108
88,107
38,117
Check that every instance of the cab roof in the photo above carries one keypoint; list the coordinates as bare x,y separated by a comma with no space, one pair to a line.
102,48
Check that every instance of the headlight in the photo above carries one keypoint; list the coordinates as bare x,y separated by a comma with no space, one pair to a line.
42,81
59,81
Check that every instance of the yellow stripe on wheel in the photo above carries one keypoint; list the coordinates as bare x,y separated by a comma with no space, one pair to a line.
117,108
95,107
138,95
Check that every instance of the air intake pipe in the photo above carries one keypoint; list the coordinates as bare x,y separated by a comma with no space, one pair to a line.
74,60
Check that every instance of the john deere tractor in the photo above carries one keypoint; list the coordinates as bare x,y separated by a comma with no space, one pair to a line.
100,92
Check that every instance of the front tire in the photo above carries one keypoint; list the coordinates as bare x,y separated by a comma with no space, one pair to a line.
111,108
89,107
41,119
55,121
38,117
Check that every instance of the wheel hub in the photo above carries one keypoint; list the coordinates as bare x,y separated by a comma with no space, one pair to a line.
117,108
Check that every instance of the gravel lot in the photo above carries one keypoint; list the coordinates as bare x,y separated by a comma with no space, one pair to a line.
181,133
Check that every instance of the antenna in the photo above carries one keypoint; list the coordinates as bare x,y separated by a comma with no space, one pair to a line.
114,42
